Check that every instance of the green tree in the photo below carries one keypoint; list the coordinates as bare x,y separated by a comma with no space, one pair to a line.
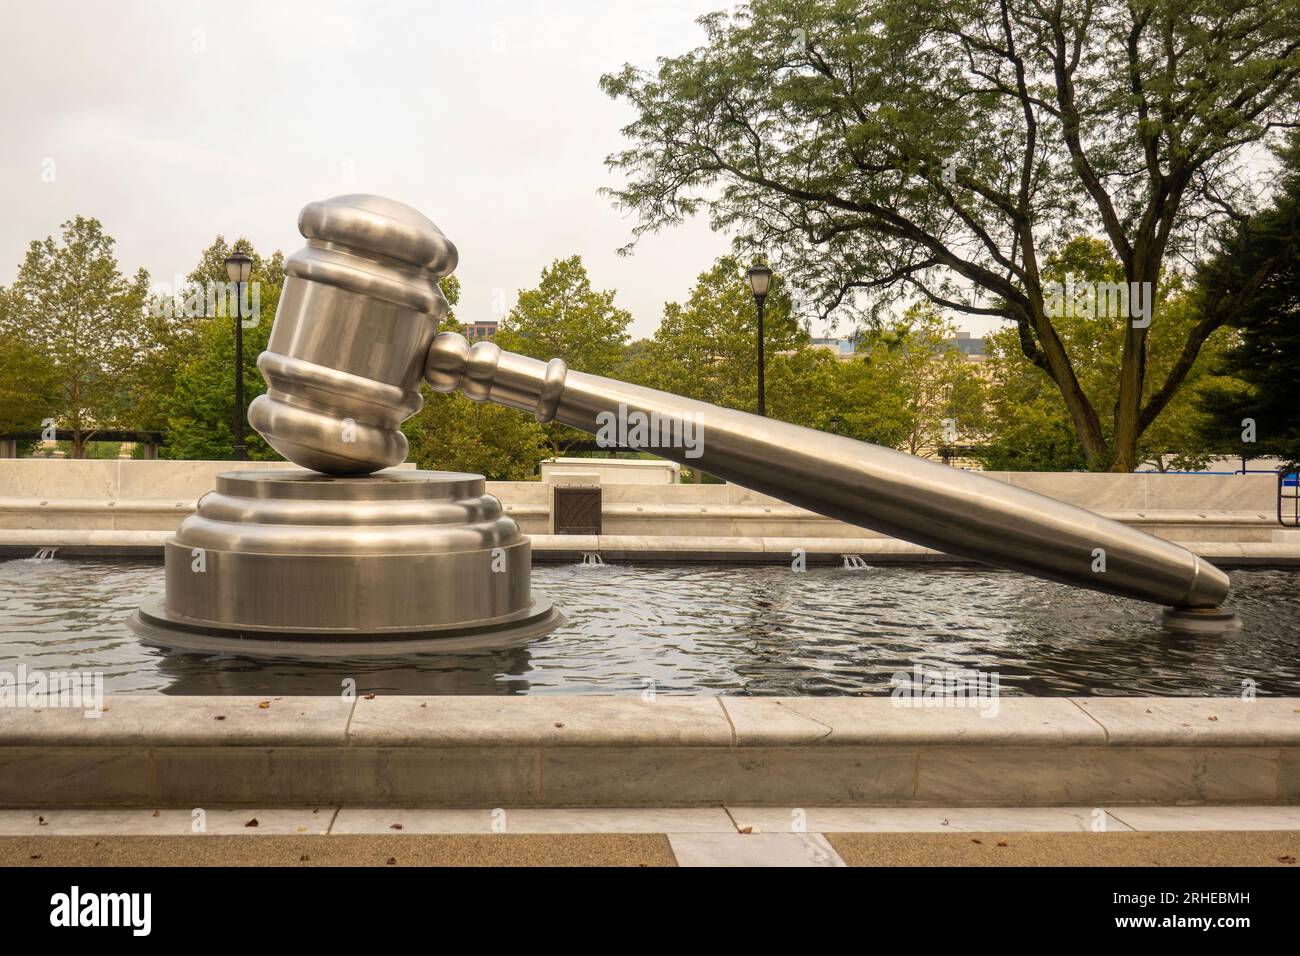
896,394
921,375
948,146
191,359
453,433
71,304
29,381
857,398
564,317
707,347
1026,425
1253,394
1023,425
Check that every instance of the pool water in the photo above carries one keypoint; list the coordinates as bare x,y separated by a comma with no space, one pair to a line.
707,629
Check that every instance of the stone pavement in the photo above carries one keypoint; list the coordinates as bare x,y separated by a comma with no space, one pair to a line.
731,836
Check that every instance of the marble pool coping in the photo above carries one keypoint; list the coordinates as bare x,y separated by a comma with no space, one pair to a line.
653,751
1283,550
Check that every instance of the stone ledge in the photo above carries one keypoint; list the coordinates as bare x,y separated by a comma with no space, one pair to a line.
677,548
37,506
1196,721
881,722
670,751
622,721
139,721
181,777
663,721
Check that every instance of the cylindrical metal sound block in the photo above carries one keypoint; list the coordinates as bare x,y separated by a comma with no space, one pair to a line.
294,555
359,308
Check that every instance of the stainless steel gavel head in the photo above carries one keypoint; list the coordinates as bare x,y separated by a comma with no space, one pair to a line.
359,309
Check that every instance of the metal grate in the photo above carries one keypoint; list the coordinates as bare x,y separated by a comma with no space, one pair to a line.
577,511
1288,499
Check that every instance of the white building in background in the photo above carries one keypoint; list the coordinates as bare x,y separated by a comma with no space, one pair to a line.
842,349
972,349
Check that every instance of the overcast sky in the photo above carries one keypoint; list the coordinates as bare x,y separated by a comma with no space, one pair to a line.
175,120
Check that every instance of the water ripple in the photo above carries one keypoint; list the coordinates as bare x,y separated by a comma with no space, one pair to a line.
708,629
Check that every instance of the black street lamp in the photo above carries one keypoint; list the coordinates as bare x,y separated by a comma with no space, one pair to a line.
239,268
760,280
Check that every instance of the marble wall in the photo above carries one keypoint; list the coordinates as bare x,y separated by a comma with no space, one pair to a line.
156,495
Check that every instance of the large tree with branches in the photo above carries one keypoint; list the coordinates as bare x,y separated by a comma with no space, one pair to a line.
890,148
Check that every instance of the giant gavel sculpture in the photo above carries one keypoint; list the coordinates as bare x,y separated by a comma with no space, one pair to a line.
350,556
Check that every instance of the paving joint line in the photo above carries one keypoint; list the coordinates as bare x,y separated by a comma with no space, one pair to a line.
723,705
829,729
1092,717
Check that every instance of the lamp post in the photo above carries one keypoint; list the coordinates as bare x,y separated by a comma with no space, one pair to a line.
760,280
239,268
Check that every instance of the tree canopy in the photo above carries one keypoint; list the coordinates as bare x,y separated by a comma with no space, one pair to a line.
192,359
707,347
72,306
949,147
565,317
453,433
1025,423
29,379
1250,407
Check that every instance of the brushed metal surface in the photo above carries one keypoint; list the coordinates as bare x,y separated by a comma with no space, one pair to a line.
284,553
921,501
360,305
355,334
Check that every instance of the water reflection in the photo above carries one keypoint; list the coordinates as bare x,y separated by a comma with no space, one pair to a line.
478,673
707,629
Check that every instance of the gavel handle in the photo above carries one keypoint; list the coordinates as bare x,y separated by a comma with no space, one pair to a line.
933,505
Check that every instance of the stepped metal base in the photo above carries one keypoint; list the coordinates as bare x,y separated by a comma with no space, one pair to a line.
294,562
1200,620
157,626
